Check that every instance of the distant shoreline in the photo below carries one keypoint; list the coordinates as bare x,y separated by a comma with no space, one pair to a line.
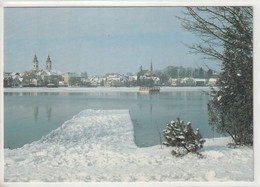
100,89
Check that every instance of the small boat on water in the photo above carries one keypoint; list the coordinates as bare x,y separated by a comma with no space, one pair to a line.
149,89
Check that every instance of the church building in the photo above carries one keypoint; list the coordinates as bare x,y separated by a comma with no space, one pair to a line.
35,64
48,63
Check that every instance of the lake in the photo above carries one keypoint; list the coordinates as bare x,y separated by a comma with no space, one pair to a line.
30,115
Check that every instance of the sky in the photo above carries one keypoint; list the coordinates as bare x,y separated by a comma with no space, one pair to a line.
97,40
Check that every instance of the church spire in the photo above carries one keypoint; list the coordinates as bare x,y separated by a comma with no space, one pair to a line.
35,63
48,58
151,67
48,63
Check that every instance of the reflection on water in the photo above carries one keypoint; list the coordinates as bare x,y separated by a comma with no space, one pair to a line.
149,113
35,112
49,112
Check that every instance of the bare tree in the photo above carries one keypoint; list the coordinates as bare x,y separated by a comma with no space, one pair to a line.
211,24
226,35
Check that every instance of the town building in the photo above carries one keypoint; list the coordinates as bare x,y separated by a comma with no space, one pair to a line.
112,75
72,79
96,81
113,80
36,77
48,63
49,77
132,78
173,82
200,82
148,72
213,82
12,79
35,64
187,81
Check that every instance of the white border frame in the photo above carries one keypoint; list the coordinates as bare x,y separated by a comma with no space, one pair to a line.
140,3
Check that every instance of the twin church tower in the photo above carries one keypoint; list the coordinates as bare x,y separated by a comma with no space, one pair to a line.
36,63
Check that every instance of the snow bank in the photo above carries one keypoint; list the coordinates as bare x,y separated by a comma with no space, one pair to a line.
98,145
101,89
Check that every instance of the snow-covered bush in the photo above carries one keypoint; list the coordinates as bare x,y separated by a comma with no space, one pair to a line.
182,137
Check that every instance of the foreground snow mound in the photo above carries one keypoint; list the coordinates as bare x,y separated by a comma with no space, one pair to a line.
99,146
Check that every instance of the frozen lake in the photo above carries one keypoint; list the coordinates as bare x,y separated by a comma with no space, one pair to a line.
31,114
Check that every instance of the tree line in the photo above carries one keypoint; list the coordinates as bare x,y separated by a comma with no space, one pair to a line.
182,72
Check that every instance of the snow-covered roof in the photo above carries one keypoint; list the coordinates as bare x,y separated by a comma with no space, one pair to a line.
188,78
112,75
213,80
156,78
72,74
16,77
96,79
13,73
133,77
114,78
57,72
51,73
39,73
204,80
7,74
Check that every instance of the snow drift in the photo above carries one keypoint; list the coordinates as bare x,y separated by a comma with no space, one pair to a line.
99,145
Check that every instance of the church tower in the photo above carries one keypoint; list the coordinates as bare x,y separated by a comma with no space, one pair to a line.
48,63
151,67
35,63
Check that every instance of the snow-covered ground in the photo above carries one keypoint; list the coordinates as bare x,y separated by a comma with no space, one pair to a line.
101,89
98,145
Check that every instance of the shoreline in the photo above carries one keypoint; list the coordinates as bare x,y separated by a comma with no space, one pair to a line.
99,89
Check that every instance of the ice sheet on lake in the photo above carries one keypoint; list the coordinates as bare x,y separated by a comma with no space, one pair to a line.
98,145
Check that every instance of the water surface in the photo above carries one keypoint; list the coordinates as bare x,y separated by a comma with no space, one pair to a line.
30,115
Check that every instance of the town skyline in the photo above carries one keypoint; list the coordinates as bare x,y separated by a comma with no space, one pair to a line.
169,76
97,40
48,64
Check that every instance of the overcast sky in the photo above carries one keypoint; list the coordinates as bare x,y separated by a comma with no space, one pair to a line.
97,40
